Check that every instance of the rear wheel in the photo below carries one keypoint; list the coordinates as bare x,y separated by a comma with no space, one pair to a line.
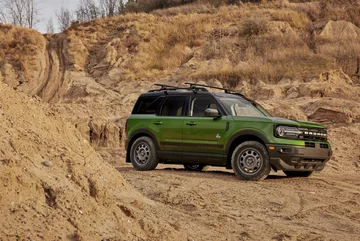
193,167
298,173
143,154
250,161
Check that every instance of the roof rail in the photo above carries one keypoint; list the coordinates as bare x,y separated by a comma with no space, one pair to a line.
164,87
170,87
193,85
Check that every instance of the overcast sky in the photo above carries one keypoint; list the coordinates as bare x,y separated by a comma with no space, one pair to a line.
48,8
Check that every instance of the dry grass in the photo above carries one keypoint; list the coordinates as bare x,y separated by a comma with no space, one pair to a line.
170,44
297,20
347,10
272,50
341,41
266,41
20,47
185,9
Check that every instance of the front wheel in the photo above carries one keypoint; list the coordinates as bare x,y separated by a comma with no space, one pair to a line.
143,154
298,173
193,167
250,161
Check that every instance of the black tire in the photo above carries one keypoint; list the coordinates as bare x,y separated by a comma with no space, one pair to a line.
250,161
194,167
298,173
143,154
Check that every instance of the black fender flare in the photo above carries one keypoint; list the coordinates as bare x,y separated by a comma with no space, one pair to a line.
245,133
135,135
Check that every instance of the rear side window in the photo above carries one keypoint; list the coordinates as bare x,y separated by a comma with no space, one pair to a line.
147,105
173,106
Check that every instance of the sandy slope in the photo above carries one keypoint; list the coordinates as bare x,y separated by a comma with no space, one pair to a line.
54,186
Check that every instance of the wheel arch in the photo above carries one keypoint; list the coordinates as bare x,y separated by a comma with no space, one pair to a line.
136,135
240,137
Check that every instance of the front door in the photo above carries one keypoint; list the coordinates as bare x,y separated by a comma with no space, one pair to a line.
204,137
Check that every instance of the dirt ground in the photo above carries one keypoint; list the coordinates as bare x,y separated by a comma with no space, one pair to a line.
324,206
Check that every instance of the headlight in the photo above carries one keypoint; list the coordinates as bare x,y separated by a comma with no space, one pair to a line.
287,132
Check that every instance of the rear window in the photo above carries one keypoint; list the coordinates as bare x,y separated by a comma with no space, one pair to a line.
147,105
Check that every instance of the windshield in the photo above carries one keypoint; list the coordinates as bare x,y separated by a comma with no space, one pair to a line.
237,106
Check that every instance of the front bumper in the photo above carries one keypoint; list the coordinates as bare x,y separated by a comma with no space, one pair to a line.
299,158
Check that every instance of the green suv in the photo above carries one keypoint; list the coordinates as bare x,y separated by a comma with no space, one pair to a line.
195,127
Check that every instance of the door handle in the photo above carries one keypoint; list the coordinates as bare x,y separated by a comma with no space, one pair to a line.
158,123
191,123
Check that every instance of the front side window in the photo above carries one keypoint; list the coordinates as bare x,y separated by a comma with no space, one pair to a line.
237,106
200,103
173,106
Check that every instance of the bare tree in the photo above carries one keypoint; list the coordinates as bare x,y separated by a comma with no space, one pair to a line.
87,10
50,26
2,15
21,12
31,13
121,6
64,17
15,11
109,8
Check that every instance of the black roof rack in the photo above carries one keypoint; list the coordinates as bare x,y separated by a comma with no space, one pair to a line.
193,85
195,88
164,87
170,87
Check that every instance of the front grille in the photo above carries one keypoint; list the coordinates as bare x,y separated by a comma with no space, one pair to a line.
324,146
310,144
313,134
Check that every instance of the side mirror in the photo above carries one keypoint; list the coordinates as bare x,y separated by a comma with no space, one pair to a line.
209,112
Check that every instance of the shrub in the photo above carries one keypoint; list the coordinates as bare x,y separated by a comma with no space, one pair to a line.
253,27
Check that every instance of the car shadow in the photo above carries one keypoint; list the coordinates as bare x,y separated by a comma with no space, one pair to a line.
203,174
212,173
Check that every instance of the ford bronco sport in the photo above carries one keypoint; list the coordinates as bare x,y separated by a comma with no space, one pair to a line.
195,127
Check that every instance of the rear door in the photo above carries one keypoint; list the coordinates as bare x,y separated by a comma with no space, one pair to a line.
204,137
167,127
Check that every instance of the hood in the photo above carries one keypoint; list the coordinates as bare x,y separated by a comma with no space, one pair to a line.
279,121
298,123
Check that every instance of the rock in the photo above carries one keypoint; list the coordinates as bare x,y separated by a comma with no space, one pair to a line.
336,76
104,134
47,163
101,133
332,41
328,116
84,130
340,29
9,75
